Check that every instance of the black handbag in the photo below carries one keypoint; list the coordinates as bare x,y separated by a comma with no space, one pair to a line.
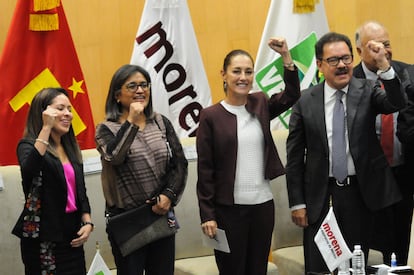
140,226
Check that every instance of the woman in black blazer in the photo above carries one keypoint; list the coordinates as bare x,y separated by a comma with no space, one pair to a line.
49,148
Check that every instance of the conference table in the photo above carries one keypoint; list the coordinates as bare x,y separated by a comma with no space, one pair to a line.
372,270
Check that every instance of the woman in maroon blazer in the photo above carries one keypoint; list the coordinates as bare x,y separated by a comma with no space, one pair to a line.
236,160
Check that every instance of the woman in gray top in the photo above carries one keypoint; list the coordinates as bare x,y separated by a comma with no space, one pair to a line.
137,146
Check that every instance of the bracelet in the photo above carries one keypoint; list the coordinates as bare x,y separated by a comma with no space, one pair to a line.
42,141
169,190
90,223
288,65
171,195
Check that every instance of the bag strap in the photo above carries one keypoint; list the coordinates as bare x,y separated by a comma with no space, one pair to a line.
160,121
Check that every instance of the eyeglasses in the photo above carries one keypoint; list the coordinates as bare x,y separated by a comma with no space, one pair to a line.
334,60
132,87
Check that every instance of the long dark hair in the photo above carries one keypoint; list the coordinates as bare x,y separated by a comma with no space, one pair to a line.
113,110
34,123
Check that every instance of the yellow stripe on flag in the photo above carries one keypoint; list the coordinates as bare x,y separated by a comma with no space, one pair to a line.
42,80
25,95
44,22
43,5
77,123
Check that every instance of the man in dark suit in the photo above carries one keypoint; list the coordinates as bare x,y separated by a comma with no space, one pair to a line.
392,225
313,179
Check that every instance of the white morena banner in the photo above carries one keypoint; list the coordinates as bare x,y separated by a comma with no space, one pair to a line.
331,243
301,31
166,46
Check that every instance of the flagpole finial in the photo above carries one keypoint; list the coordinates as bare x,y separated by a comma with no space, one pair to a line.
304,6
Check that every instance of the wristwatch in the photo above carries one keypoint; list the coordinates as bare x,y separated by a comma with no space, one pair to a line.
90,223
379,72
289,65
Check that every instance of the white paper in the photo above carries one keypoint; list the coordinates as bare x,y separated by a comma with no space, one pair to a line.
397,269
92,165
190,152
219,242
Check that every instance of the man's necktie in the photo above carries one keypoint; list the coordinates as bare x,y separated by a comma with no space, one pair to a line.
387,136
339,158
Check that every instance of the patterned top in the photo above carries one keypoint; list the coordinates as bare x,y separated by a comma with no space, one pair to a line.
133,162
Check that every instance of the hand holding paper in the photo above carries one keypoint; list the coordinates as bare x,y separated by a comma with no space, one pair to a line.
219,242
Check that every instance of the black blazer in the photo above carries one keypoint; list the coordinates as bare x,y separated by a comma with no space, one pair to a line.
307,168
53,190
405,119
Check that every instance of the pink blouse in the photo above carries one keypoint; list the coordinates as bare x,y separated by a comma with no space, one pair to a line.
71,186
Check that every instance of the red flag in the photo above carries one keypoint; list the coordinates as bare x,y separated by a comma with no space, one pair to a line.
38,53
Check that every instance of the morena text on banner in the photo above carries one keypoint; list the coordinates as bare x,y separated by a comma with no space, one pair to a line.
332,239
175,87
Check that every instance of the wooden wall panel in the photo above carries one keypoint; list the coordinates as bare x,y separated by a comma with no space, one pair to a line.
103,32
396,16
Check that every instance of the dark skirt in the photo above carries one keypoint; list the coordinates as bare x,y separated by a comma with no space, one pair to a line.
68,260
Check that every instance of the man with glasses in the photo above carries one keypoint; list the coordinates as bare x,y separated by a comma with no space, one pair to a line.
333,154
392,225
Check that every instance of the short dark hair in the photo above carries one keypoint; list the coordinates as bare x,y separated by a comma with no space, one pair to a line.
113,110
330,37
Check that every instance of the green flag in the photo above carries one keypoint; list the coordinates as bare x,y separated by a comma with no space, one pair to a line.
301,31
270,78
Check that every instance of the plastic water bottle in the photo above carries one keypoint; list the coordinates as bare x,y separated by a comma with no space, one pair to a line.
343,268
358,261
393,260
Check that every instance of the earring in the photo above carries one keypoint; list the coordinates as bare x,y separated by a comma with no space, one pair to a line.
117,101
225,85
